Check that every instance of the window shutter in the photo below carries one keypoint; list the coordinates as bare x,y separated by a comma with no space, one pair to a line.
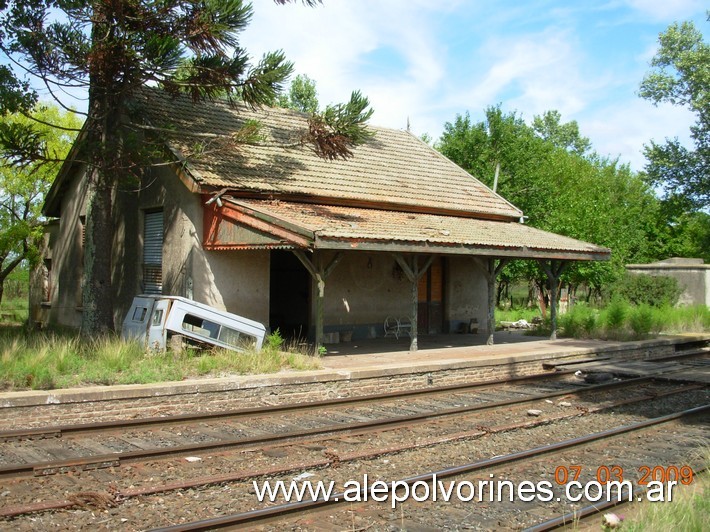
153,253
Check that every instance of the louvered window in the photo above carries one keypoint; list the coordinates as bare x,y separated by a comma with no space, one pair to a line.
153,253
80,261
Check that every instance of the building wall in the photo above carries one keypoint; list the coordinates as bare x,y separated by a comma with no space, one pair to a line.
43,287
363,289
240,279
67,257
692,275
466,294
235,281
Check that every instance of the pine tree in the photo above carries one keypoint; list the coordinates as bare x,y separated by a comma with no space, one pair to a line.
111,49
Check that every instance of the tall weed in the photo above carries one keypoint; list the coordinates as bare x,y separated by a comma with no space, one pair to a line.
616,314
622,321
43,361
641,320
579,322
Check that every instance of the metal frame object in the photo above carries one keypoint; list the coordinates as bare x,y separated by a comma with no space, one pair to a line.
152,319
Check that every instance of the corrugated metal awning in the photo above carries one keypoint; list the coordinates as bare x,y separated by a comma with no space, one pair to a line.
311,226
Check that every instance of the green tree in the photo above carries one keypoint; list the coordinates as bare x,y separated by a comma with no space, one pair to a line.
565,136
22,188
302,95
550,173
111,49
680,75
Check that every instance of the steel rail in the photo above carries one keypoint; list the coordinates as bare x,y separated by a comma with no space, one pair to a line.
57,431
17,510
283,509
115,459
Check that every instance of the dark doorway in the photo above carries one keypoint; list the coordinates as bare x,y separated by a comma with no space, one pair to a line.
289,289
431,296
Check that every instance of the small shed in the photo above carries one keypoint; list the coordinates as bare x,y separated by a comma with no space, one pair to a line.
693,275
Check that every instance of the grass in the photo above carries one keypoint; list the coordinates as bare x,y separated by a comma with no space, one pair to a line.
60,360
621,320
516,314
13,310
689,511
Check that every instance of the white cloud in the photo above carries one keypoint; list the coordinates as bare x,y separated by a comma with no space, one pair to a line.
331,43
622,129
406,57
668,10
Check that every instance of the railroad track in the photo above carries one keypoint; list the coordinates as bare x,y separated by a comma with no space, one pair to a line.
457,513
250,470
104,445
136,438
425,419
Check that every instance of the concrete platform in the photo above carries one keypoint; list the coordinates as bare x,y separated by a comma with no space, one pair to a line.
376,366
438,350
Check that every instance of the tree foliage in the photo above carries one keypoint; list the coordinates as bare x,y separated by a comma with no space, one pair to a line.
111,49
22,188
549,172
334,131
302,95
565,136
680,75
651,290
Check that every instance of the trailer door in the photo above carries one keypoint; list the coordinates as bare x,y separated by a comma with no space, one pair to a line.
156,329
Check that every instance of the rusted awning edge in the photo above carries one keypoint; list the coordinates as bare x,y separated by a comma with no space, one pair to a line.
458,249
294,226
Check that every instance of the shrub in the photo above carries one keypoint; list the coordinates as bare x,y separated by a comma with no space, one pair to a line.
580,322
275,340
590,324
642,320
652,290
616,314
571,323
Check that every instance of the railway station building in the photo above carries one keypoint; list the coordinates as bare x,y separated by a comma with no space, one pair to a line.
394,240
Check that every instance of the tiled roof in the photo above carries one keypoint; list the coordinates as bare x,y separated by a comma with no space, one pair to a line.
331,225
393,169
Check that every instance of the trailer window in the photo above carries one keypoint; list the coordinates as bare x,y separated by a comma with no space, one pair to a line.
200,326
236,339
211,329
157,317
139,313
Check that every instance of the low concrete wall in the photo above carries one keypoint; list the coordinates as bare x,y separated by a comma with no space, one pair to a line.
692,275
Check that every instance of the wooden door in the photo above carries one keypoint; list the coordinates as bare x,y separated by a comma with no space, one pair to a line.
431,299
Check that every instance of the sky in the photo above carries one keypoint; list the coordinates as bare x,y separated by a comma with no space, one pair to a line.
427,61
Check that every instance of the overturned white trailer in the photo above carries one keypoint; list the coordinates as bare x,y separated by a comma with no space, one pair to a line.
153,319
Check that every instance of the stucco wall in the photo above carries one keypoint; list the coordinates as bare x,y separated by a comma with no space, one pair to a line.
361,292
365,288
467,293
692,275
42,288
240,280
234,281
67,264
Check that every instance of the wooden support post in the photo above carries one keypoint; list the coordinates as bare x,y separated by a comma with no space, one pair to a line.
491,268
553,269
414,272
319,273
